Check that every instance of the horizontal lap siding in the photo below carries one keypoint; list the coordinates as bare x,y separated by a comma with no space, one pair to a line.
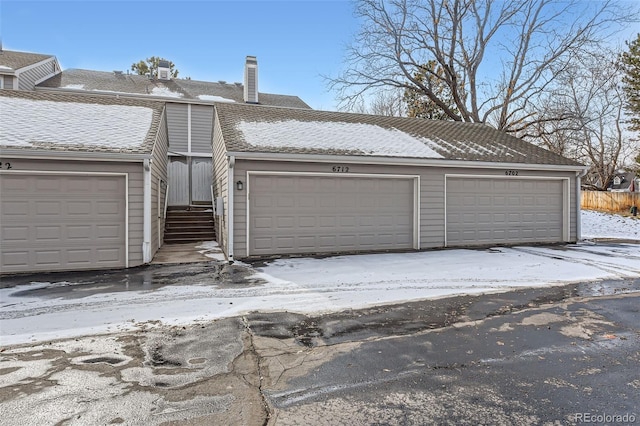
220,188
158,192
432,195
28,79
134,171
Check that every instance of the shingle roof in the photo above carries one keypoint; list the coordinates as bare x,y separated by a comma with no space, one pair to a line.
16,60
252,128
193,90
78,123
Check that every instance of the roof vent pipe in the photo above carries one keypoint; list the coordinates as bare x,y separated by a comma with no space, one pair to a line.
251,80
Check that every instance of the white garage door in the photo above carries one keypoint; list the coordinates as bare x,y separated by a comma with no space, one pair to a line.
62,222
504,211
291,214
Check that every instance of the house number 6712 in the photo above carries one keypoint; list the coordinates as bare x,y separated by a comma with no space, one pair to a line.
340,169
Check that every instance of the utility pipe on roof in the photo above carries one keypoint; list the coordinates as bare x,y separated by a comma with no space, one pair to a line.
229,212
579,176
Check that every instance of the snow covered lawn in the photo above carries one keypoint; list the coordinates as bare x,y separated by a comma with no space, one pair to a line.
607,225
321,285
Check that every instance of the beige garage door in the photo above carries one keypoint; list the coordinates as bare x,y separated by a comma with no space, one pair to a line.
321,214
503,211
62,222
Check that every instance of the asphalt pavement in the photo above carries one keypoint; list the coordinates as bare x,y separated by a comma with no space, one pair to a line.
554,355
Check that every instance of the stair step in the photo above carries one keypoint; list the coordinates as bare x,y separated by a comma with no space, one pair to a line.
188,226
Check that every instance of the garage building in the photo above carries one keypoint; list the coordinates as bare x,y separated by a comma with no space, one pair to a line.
82,181
294,181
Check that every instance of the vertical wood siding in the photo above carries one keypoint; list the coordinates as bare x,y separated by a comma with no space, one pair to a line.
177,126
201,127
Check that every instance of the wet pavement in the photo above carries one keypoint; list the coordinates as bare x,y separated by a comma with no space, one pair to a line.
525,357
546,355
71,285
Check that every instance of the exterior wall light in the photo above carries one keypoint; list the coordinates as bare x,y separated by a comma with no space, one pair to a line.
239,185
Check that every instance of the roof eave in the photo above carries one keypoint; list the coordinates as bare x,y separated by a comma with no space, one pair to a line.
328,158
72,155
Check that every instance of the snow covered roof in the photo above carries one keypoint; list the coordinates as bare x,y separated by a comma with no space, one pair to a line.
251,128
197,91
65,122
13,61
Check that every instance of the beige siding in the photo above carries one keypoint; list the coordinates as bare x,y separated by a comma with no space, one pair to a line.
177,126
220,187
432,192
8,82
201,127
28,79
159,185
135,179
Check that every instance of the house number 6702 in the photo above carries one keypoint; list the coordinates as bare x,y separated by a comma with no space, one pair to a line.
511,172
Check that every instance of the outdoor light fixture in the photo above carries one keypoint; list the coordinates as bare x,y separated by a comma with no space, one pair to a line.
239,185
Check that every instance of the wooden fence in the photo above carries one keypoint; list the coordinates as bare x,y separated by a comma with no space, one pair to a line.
609,201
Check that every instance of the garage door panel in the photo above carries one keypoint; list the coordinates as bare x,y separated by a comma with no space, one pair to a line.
520,210
62,222
332,214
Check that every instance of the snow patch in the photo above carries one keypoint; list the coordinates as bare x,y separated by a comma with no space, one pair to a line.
214,98
606,225
367,139
74,86
73,123
166,92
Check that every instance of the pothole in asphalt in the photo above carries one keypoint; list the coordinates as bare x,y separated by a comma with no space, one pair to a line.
609,287
104,360
306,333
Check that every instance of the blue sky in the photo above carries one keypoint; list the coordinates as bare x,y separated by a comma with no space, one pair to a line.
296,42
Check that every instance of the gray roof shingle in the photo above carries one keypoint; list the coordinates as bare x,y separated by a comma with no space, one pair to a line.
45,121
190,90
17,60
251,128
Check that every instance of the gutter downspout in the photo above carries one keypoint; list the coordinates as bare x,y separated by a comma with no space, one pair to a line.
146,234
230,190
579,176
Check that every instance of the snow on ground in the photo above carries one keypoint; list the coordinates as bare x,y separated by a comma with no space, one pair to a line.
311,285
606,225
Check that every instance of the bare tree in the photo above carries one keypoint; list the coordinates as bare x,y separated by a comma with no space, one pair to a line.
589,94
389,103
497,57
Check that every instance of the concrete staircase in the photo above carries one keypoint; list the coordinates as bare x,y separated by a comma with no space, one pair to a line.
188,225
